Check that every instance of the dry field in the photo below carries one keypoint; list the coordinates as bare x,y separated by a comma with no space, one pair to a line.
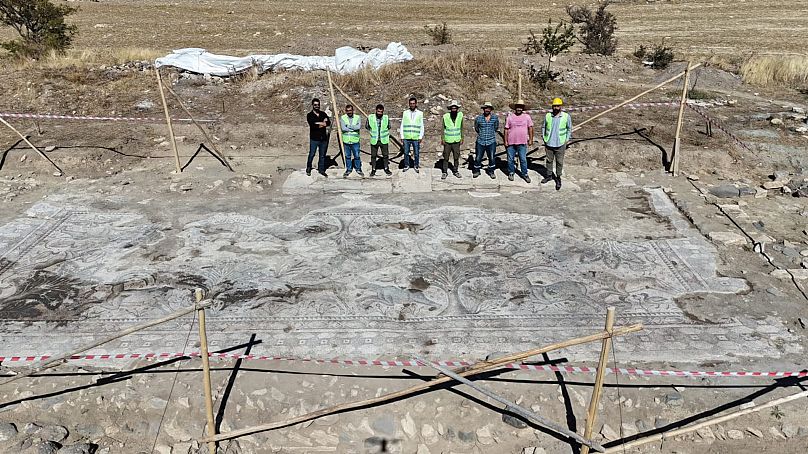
694,27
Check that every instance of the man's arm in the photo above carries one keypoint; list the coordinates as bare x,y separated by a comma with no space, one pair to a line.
421,136
311,120
477,125
343,126
530,135
401,126
507,130
327,121
543,129
569,127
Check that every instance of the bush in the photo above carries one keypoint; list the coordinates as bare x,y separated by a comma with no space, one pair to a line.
40,24
554,42
542,76
596,28
440,34
658,57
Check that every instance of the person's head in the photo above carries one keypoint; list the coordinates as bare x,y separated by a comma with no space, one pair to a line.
413,103
519,108
379,109
557,103
487,109
315,104
349,110
453,107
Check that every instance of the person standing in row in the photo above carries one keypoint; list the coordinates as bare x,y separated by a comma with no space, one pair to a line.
556,133
452,138
379,127
518,136
318,137
486,127
412,131
351,125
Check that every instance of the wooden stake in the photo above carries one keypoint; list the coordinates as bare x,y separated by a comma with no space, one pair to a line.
336,117
520,83
578,126
677,143
717,420
204,132
478,368
61,358
394,139
592,414
203,346
31,145
168,120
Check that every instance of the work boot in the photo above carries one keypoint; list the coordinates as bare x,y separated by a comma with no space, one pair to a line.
345,175
416,170
548,178
444,175
308,172
388,172
405,169
526,178
360,173
475,174
373,173
510,177
457,174
491,174
324,174
558,183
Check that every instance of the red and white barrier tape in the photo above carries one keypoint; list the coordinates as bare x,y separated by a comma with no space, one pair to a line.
92,118
413,363
720,126
638,105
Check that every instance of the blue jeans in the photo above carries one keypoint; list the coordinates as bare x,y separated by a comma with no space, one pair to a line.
416,151
490,152
352,157
522,150
314,145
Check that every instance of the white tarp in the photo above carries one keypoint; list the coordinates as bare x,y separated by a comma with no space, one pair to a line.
346,60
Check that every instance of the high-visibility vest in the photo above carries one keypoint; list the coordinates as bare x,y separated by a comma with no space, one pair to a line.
379,134
452,131
412,127
350,136
563,127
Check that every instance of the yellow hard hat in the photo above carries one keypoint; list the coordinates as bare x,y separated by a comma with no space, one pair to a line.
558,102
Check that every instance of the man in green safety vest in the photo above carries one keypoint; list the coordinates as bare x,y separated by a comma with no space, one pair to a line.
452,138
412,131
351,125
556,133
379,127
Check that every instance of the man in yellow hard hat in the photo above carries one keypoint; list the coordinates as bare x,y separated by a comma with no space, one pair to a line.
556,132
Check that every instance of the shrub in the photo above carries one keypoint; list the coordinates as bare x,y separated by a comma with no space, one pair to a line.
659,56
596,28
40,24
440,34
554,42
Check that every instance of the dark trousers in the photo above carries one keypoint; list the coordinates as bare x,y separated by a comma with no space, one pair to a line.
555,154
490,152
314,146
454,150
374,153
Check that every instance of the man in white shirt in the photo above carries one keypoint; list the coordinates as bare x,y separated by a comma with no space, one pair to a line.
412,131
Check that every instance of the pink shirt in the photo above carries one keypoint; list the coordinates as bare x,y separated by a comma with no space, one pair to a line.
518,125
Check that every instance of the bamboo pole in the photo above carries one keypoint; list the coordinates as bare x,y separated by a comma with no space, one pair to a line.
336,117
61,358
592,414
168,120
204,132
25,139
717,420
350,100
203,345
578,126
515,408
677,142
478,368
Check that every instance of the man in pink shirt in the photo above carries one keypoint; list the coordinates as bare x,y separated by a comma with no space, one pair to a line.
518,135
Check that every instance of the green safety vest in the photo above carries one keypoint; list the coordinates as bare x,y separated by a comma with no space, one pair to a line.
352,136
452,132
563,127
375,134
412,128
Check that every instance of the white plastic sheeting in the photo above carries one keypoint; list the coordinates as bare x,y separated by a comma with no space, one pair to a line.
346,60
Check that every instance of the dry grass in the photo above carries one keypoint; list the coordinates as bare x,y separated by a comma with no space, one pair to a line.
769,70
90,57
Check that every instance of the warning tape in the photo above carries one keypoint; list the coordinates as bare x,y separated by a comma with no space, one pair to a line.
413,363
638,105
720,126
91,118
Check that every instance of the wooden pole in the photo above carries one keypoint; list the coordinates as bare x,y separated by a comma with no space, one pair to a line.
677,144
61,358
478,368
397,142
717,420
336,117
25,139
515,408
203,345
592,414
204,132
168,120
520,83
578,126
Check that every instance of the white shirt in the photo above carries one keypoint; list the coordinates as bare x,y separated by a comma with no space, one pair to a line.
412,114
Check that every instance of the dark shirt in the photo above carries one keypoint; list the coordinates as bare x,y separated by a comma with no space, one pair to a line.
315,131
